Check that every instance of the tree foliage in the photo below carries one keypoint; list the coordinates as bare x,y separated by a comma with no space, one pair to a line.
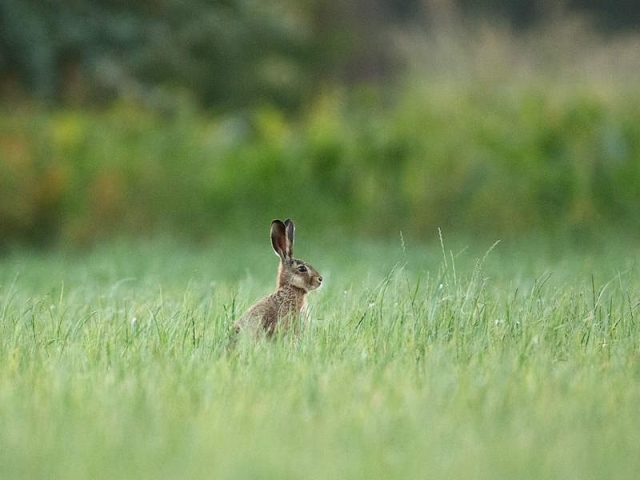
224,53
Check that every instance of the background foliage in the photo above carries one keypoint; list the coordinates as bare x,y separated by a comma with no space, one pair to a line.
567,164
200,118
231,53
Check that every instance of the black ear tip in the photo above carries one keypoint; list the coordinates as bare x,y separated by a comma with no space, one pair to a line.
288,224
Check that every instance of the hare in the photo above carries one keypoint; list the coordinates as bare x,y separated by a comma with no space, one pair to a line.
296,278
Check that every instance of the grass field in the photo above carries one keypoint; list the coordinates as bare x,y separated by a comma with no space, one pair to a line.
423,361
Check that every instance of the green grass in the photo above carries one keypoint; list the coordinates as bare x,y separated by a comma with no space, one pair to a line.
422,362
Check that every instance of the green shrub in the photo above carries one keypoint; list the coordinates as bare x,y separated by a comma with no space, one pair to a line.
465,158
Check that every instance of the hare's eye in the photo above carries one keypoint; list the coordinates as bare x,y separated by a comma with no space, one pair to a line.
302,269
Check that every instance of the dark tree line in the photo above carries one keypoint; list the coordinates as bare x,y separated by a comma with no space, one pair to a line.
226,53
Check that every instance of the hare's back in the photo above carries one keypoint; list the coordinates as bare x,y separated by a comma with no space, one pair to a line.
261,315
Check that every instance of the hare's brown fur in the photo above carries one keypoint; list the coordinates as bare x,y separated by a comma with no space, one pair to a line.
296,278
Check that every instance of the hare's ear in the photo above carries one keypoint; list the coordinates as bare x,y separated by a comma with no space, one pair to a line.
290,227
279,238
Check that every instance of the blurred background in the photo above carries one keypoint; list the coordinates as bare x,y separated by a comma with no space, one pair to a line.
200,118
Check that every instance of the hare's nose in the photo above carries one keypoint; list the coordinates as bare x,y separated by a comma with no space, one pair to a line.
319,279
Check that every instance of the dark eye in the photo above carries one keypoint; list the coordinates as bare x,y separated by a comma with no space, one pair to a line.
302,269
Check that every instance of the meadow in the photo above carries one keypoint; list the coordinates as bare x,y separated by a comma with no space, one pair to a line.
441,359
128,247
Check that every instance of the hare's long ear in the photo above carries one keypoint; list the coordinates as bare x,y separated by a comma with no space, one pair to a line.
290,227
279,239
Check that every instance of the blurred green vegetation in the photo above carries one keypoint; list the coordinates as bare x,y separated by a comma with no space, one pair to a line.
470,158
224,53
203,119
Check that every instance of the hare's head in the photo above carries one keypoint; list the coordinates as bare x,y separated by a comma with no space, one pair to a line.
292,271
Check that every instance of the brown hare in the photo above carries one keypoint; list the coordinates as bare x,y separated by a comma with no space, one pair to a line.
280,310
